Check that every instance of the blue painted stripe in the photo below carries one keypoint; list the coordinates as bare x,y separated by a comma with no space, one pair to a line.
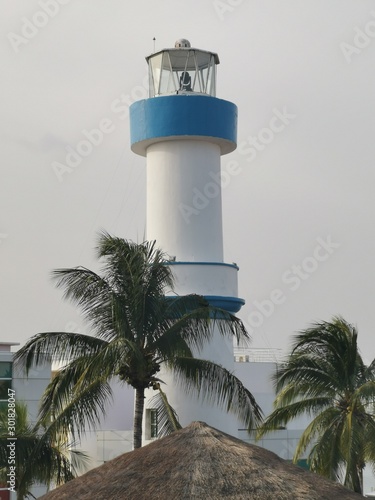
230,304
183,115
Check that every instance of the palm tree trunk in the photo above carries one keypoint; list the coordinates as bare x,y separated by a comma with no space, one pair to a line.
21,495
361,479
138,417
356,481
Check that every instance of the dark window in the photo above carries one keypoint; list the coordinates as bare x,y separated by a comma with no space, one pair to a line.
154,423
5,369
4,386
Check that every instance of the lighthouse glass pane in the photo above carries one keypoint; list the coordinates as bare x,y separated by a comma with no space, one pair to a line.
207,76
211,80
167,78
154,74
179,71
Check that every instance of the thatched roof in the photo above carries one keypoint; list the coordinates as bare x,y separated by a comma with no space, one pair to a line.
199,462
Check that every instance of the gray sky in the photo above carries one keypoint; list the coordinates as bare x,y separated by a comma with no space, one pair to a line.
303,188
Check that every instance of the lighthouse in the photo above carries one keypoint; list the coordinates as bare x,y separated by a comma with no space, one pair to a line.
183,129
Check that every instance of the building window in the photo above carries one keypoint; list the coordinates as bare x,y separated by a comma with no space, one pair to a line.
154,423
5,369
5,379
5,385
151,423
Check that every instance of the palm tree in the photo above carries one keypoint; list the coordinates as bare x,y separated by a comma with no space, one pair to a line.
136,329
326,378
36,457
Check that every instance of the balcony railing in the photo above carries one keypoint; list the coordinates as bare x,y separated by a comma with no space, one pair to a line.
257,355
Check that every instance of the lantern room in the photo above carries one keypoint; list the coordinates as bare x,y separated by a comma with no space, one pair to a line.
182,70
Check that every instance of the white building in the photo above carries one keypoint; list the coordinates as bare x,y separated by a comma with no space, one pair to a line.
255,368
15,386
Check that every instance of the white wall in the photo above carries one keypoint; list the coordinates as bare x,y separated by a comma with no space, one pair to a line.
113,435
29,391
256,376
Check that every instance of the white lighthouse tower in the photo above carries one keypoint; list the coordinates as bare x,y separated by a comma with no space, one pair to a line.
183,130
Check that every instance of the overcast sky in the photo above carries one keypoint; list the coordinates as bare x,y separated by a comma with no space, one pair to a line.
298,203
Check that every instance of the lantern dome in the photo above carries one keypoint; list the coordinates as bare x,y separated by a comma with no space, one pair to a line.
181,70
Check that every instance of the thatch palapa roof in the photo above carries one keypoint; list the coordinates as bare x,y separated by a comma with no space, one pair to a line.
199,462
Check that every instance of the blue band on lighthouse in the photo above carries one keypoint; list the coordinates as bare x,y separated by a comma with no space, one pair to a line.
183,116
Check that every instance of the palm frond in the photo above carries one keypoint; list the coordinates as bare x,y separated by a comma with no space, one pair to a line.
135,328
325,376
215,384
92,294
167,417
61,347
283,414
131,265
195,321
39,457
305,369
74,407
365,393
329,418
369,441
326,456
